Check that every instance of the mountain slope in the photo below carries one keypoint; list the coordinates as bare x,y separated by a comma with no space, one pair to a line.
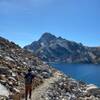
14,62
56,49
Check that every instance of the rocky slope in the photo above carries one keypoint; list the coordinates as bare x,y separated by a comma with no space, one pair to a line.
62,87
14,62
96,52
56,49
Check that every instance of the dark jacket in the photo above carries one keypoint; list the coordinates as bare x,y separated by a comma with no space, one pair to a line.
29,77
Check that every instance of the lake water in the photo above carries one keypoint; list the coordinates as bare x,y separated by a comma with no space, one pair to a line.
89,73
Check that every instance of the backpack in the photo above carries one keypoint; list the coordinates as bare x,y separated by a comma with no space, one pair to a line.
28,78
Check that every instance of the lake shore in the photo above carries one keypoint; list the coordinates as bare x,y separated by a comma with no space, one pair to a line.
62,87
87,73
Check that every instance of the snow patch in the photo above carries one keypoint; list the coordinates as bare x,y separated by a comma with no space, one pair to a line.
91,86
3,91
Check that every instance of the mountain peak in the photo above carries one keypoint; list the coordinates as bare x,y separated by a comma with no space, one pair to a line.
47,37
47,34
56,49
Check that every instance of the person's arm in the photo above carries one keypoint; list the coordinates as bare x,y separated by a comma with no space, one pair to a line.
25,75
34,76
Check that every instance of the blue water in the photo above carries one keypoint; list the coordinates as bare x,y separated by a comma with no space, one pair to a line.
89,73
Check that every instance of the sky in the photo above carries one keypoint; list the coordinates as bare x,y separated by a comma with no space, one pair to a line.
24,21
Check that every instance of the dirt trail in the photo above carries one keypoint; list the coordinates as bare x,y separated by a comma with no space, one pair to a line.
36,95
40,90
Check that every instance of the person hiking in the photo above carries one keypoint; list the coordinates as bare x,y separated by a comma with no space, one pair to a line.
28,83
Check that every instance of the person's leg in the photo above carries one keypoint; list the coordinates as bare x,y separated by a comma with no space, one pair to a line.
30,91
26,92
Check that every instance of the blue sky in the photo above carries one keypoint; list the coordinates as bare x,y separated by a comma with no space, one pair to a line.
24,21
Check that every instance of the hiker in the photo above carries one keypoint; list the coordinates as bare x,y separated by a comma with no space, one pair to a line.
28,83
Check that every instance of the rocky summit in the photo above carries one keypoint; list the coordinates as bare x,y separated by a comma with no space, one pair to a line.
50,84
56,49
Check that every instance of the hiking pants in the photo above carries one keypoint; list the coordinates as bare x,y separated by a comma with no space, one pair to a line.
28,91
